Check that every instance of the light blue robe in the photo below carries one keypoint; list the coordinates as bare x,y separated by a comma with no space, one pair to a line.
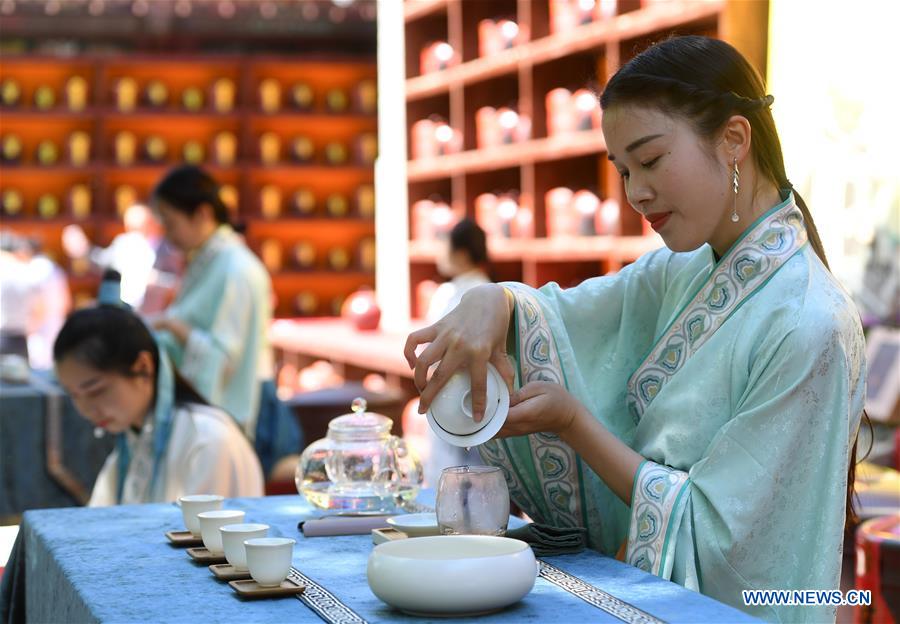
741,382
226,297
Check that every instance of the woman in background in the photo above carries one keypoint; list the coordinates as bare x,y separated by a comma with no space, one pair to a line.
217,329
170,442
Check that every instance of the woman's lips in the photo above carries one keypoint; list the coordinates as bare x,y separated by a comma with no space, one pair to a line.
658,219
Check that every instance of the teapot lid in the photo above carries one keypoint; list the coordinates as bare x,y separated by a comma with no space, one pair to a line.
450,413
360,423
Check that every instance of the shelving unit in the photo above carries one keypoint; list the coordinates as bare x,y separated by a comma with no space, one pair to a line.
246,121
583,56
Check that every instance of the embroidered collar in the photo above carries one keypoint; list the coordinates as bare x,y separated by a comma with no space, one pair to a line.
158,424
757,255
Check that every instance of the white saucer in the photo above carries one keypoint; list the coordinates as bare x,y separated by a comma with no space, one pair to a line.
416,525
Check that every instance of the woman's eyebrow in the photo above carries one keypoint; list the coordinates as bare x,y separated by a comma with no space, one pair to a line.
636,144
85,385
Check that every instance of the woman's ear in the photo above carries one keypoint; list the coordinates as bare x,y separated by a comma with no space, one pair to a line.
143,366
736,138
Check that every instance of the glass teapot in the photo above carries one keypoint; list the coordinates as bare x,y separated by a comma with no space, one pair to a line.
359,466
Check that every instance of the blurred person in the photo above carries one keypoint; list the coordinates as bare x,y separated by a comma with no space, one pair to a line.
20,305
51,289
217,329
139,254
169,441
464,261
698,411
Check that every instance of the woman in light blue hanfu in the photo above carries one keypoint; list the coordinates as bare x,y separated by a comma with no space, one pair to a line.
698,411
217,329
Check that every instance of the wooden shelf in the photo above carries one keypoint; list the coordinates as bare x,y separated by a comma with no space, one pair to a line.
315,221
581,57
657,17
103,120
312,169
294,274
537,150
37,170
415,9
14,114
143,114
313,116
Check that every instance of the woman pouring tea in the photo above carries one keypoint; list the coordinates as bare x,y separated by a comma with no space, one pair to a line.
697,411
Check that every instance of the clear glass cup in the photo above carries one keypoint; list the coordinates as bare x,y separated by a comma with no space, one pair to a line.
472,500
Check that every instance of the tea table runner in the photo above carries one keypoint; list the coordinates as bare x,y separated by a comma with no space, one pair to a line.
115,565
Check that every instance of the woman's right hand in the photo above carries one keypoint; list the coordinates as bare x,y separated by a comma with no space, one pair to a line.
470,336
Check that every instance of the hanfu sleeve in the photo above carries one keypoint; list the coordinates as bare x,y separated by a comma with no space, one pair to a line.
210,355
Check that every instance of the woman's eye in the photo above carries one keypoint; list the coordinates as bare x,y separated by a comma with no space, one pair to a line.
650,163
624,174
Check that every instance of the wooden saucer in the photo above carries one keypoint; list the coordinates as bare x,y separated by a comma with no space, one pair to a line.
183,538
387,534
252,589
202,555
226,572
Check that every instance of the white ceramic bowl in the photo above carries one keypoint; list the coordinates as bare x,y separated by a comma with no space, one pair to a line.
417,524
233,538
450,413
269,559
452,575
210,521
195,503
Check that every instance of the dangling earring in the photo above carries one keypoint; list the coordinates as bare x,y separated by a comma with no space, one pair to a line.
735,184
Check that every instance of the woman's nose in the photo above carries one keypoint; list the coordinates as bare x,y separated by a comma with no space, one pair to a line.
638,194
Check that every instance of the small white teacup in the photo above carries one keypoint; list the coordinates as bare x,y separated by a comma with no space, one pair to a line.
233,537
194,504
210,521
269,559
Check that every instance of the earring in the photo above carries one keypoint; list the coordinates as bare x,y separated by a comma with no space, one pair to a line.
735,184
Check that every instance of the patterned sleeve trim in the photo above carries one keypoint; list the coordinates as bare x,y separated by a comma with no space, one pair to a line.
658,501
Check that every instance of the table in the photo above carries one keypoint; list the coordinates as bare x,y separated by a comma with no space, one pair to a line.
49,456
115,565
338,341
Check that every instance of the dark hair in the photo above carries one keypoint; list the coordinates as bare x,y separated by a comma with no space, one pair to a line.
110,338
468,236
706,81
187,187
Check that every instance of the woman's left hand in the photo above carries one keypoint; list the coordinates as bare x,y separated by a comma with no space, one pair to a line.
540,406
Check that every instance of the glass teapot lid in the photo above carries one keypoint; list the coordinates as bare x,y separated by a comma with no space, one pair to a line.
359,424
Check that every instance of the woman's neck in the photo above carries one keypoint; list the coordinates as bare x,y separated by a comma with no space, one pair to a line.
759,200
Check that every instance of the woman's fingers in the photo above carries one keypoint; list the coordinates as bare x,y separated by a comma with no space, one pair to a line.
421,336
478,373
528,391
431,355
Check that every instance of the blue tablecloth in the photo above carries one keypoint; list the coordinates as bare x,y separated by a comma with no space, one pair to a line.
115,565
34,416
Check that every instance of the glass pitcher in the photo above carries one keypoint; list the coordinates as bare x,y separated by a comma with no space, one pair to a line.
359,466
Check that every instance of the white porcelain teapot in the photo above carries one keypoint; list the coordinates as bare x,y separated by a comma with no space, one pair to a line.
359,466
